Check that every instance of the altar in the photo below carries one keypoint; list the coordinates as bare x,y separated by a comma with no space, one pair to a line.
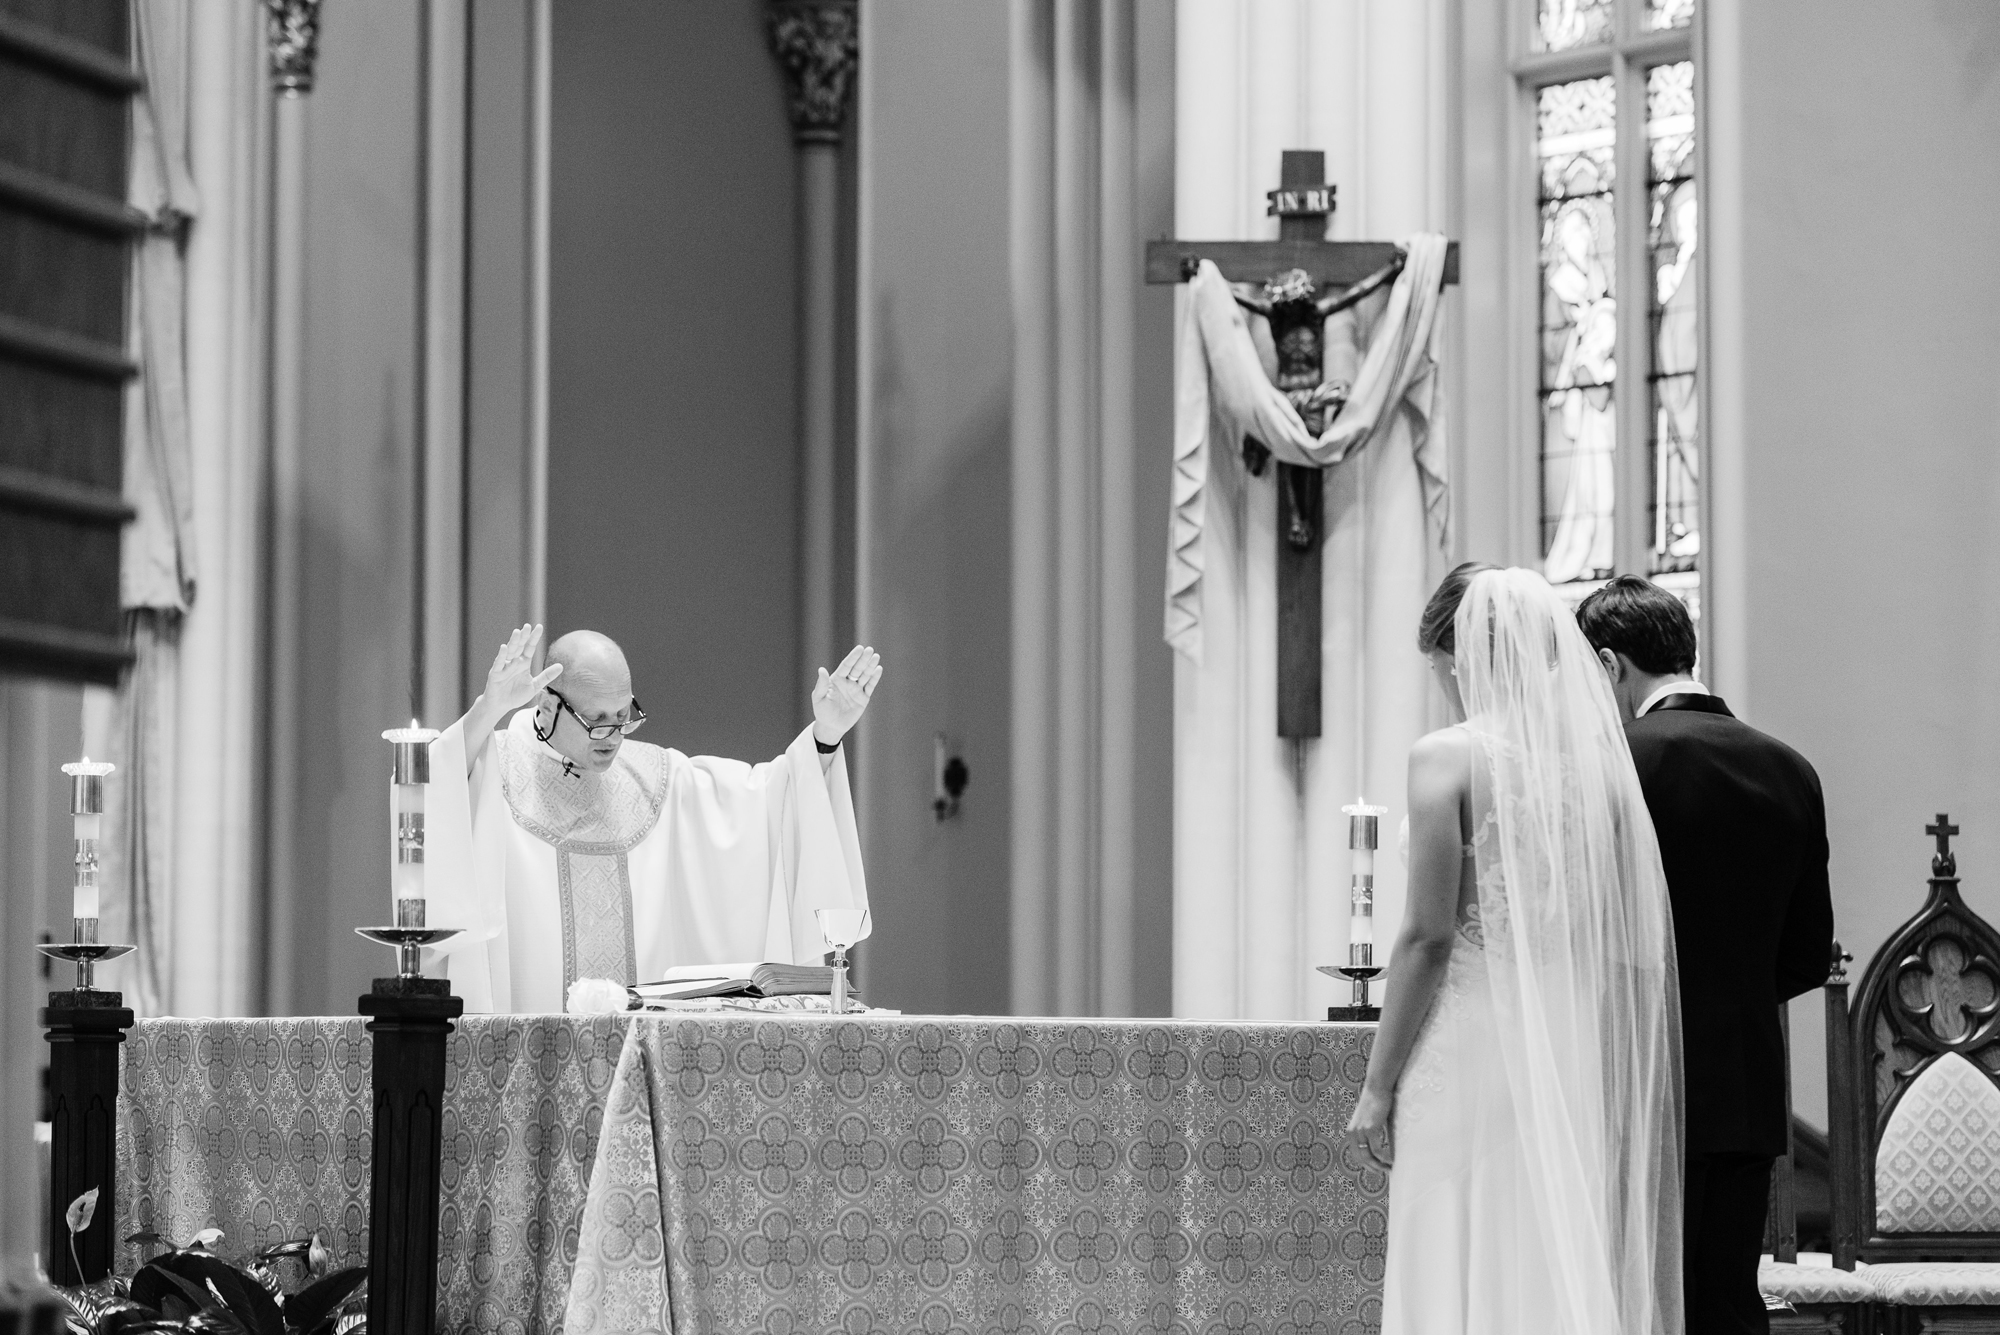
795,1174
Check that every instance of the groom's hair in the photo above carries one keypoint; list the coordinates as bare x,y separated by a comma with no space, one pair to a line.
1639,619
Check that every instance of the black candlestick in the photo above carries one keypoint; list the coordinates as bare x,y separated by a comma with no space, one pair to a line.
410,1019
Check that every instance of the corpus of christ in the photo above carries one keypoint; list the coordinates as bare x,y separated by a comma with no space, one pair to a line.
933,667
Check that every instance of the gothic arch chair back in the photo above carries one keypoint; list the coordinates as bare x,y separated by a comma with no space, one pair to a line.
1916,1110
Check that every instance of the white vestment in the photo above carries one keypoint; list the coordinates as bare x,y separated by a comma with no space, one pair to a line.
662,860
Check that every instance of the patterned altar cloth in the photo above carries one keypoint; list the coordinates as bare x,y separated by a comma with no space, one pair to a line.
801,1175
261,1128
975,1177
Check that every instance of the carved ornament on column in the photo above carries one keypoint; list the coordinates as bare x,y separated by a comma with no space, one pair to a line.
293,28
818,43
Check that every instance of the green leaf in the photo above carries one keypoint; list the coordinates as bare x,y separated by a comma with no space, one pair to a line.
309,1308
245,1298
137,1321
217,1321
291,1248
151,1285
167,1292
81,1211
89,1304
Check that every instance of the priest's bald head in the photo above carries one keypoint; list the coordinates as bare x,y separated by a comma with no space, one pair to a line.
592,694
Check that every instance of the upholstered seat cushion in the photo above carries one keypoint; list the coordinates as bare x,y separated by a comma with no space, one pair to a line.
1798,1284
1936,1283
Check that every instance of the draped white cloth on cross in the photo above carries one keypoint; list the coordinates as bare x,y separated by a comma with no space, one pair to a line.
1235,398
1260,848
662,860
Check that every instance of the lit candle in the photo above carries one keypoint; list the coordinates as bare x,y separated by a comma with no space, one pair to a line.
411,773
86,806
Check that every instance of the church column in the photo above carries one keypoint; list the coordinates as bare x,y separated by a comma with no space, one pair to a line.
211,908
1074,261
441,685
817,43
294,52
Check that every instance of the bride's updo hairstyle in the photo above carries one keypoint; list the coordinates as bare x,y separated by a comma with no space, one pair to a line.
1434,631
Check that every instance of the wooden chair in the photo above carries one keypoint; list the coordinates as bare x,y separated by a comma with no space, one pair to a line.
1818,1297
1914,1112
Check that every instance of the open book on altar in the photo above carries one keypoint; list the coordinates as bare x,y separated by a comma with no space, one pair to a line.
689,981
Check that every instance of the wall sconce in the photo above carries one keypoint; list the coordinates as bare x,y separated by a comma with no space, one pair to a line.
949,776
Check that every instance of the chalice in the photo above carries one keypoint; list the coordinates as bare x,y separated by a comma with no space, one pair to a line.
842,928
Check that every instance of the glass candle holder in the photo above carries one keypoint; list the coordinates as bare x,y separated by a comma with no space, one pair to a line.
86,808
1363,838
410,775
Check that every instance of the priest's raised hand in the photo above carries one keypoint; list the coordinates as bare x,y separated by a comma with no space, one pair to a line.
839,696
510,683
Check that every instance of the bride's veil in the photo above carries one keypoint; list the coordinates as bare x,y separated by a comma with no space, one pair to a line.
1580,951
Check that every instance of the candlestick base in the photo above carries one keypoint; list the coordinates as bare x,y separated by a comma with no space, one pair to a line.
85,955
1359,975
409,943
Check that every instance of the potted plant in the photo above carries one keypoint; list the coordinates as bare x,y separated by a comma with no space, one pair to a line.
191,1288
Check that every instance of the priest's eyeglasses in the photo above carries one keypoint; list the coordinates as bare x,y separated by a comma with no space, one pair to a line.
597,732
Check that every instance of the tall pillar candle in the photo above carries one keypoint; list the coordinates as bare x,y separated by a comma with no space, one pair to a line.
86,806
1363,837
410,775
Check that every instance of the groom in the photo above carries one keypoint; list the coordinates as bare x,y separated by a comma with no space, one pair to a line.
1742,830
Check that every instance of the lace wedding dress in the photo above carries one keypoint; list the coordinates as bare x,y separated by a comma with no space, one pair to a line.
1536,1132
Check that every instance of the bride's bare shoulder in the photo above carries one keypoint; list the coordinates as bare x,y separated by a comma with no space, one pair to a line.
1441,757
1446,743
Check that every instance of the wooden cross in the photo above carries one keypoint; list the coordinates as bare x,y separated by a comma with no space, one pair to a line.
1942,862
1305,279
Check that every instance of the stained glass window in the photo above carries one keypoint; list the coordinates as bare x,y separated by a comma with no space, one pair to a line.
1672,235
1575,147
1620,474
1561,25
1669,14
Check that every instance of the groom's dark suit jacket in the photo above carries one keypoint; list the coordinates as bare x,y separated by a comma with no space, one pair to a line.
1742,828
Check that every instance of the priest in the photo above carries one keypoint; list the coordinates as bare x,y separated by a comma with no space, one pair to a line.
568,852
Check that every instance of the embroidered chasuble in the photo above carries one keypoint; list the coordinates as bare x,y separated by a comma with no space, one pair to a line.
663,859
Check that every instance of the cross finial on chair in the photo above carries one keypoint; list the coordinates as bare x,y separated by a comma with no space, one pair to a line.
1943,863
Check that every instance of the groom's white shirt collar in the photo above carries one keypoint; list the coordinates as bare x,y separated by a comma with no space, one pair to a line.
1671,688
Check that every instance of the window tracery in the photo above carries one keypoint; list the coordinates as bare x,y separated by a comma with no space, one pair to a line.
1613,90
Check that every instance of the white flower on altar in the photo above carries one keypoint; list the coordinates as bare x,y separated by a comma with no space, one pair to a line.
596,996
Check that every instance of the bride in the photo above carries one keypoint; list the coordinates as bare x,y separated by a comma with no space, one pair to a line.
1526,1077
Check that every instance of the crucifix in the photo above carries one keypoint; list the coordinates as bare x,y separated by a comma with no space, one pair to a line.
1299,281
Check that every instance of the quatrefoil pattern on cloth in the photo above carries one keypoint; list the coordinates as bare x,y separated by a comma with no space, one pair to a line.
978,1178
260,1128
